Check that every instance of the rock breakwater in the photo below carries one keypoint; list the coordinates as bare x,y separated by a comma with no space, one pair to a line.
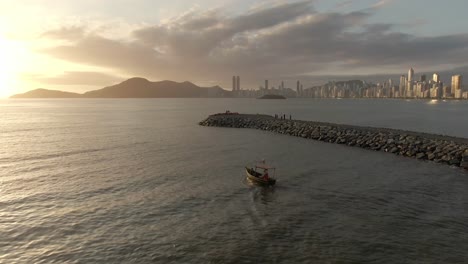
437,148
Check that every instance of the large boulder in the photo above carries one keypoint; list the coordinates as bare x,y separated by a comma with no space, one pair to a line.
420,155
465,155
464,163
431,156
455,162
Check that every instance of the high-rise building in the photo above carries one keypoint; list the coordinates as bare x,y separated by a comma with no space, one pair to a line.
435,77
436,91
456,86
446,92
238,83
410,75
266,84
298,89
422,78
234,86
409,86
402,86
282,85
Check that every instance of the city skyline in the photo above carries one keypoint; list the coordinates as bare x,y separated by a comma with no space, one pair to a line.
423,88
80,46
407,88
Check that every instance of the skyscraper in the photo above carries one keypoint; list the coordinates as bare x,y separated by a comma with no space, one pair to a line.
456,86
423,78
410,75
298,89
402,86
266,84
238,83
436,77
409,86
234,86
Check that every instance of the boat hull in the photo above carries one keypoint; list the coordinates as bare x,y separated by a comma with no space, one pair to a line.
257,179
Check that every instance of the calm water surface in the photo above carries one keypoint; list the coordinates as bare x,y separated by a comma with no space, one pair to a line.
138,181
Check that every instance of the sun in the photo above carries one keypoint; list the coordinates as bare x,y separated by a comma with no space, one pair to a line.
9,62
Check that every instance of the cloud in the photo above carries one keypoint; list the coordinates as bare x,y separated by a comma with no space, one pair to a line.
77,78
199,33
343,4
382,3
285,40
65,33
416,22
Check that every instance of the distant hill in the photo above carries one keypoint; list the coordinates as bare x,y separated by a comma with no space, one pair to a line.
136,88
44,93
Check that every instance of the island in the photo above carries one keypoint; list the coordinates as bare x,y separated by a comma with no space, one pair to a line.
45,93
272,96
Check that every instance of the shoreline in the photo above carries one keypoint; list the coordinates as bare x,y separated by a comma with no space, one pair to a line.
231,97
419,145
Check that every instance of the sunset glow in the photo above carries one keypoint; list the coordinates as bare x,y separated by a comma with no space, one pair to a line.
9,66
233,131
78,46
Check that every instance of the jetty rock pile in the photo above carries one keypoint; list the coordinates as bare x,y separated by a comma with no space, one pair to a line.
437,148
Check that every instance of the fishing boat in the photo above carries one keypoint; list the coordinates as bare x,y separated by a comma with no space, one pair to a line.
257,177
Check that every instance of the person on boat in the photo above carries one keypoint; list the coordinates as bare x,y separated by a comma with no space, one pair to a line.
265,175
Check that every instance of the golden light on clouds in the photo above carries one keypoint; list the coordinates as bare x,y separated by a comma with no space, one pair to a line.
84,45
21,65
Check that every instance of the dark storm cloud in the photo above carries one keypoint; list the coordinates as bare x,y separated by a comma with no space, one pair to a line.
284,40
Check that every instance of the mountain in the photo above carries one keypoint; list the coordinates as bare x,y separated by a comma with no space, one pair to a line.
44,93
142,88
136,88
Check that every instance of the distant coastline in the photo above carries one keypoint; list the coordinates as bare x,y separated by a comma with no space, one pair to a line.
272,96
136,88
142,88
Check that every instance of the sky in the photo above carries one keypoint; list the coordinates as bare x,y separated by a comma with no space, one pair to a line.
88,44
